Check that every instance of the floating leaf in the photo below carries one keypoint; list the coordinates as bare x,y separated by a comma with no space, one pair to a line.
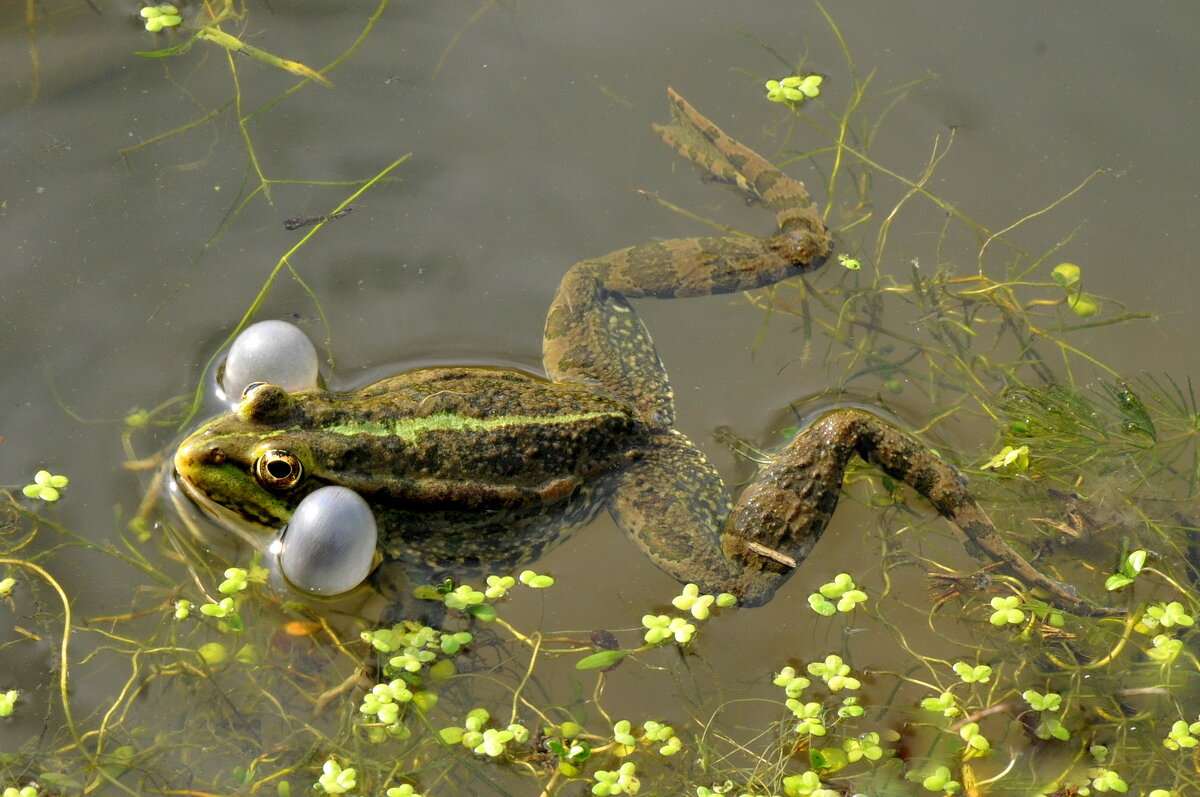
1083,305
601,660
483,612
1065,274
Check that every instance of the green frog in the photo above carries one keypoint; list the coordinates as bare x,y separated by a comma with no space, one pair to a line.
470,468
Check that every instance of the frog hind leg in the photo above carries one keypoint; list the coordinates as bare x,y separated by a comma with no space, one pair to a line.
593,336
675,507
726,160
782,514
673,504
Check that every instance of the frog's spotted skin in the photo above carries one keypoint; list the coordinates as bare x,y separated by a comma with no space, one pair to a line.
707,146
465,467
479,467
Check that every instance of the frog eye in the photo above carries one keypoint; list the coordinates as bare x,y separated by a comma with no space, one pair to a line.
278,469
263,402
250,388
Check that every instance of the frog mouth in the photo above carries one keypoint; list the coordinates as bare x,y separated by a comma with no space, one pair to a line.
250,529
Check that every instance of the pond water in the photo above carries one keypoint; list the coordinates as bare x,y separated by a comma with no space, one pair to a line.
136,237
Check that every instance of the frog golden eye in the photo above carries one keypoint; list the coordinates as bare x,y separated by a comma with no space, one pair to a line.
278,470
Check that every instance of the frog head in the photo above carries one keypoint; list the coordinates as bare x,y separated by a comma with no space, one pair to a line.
252,464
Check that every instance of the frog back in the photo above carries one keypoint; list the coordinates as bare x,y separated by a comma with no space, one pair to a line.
472,439
471,466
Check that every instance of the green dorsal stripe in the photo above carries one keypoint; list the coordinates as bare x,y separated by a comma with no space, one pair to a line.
412,429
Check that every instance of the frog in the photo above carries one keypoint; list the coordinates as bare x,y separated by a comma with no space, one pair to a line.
471,468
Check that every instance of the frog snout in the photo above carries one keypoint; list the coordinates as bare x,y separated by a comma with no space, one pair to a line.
193,455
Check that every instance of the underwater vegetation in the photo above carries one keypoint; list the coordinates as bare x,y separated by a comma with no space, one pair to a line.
229,687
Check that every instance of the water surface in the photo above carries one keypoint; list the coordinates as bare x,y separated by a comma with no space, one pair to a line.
529,128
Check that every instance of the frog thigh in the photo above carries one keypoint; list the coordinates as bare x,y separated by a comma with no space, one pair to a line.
673,505
593,336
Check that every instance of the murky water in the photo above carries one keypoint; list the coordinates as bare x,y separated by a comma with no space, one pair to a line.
129,253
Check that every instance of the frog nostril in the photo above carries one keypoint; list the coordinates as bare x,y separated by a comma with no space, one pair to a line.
216,456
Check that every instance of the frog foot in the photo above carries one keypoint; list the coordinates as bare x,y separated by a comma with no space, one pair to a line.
726,160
